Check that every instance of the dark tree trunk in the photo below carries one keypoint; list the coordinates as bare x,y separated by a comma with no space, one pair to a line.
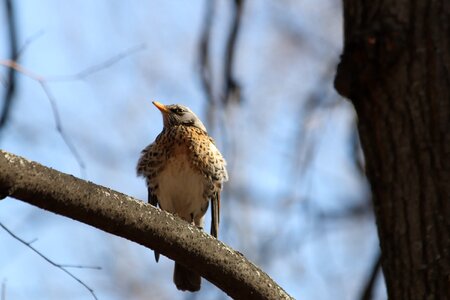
395,70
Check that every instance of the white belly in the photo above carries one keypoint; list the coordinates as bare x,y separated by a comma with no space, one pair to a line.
181,188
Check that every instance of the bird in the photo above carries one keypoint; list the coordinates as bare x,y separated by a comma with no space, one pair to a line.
184,171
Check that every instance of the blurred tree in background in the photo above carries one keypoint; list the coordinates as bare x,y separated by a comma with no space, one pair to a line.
259,72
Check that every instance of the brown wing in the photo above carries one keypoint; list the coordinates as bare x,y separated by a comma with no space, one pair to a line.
150,161
209,161
153,201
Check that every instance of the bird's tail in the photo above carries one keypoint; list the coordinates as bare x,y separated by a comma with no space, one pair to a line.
186,279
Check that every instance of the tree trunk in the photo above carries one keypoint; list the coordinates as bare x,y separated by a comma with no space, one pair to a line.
395,70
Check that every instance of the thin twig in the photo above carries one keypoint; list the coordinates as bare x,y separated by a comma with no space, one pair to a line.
81,267
98,67
32,241
367,293
49,260
60,129
19,68
43,82
28,42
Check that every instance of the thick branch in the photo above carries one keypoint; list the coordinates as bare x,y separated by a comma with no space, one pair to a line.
124,216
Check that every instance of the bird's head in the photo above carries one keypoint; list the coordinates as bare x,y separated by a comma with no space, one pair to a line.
176,114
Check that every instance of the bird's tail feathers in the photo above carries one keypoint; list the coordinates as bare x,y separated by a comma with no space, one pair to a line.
186,279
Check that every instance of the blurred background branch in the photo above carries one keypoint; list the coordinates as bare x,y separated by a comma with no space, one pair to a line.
43,82
59,266
206,75
10,79
231,87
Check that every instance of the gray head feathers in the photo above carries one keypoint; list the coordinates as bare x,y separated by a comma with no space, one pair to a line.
177,114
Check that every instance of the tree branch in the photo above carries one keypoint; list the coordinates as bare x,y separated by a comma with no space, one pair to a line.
134,220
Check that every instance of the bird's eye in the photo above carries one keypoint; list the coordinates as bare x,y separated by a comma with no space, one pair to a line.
177,110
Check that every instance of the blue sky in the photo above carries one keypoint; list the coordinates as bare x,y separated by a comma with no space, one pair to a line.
287,161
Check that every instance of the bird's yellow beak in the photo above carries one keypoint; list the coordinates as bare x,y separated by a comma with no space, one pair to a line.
160,106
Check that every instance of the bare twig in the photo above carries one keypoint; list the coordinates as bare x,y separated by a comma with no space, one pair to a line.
61,267
43,82
98,67
232,88
60,129
306,143
367,293
32,241
19,68
10,81
28,42
81,267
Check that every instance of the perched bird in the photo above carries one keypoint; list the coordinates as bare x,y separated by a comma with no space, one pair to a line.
184,170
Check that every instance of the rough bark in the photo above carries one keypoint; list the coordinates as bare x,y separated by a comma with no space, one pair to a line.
137,221
395,70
